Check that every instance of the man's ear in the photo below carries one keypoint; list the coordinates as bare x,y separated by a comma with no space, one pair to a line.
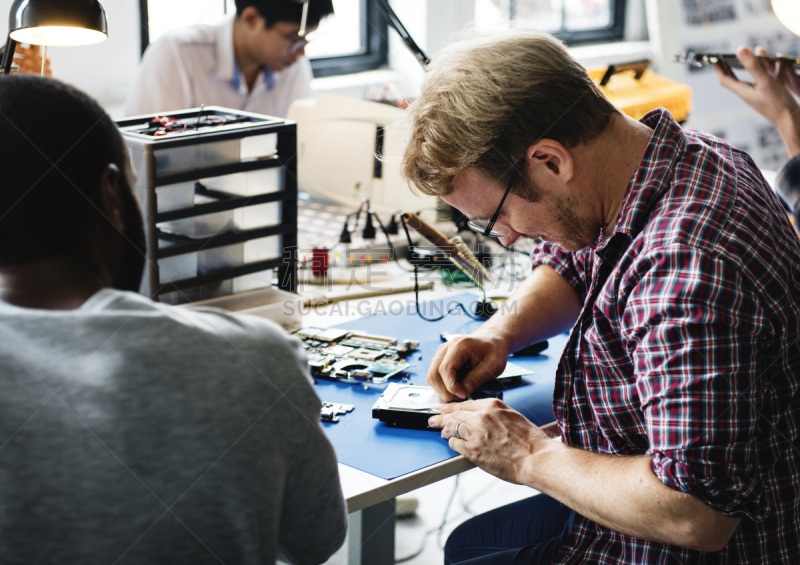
110,204
252,18
550,158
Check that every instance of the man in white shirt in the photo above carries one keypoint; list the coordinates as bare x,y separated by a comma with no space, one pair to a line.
253,61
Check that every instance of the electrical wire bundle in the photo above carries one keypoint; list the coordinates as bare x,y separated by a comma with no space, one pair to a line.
461,256
439,530
455,249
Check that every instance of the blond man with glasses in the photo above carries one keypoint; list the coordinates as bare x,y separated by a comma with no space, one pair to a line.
675,269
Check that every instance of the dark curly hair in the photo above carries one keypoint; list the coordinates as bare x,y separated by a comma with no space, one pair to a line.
55,144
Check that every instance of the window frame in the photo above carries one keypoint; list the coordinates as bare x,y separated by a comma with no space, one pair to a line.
615,31
144,28
374,52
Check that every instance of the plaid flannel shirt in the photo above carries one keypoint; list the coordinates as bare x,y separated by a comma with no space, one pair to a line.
788,184
687,349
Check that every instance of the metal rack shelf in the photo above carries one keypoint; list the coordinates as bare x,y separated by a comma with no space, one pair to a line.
221,170
223,274
225,202
151,153
185,244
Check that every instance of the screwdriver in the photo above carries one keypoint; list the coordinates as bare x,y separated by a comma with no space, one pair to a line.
461,373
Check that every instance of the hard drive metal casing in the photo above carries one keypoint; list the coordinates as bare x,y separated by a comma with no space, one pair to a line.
398,407
398,417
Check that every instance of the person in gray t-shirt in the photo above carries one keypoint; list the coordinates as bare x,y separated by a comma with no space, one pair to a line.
131,431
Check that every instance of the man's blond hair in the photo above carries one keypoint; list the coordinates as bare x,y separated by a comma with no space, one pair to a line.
486,100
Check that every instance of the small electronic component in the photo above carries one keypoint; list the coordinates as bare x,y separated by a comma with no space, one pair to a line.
368,354
162,125
331,411
408,406
319,334
337,350
355,357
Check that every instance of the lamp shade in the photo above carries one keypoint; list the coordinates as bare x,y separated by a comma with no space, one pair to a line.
788,12
57,22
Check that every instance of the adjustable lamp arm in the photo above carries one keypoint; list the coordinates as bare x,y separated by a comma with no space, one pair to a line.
401,30
8,55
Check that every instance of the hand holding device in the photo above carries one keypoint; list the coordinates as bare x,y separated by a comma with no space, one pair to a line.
495,437
30,60
486,355
770,94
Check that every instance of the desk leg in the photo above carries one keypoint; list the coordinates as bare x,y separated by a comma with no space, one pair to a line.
372,535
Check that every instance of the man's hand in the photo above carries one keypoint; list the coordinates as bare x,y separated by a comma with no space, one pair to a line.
543,306
770,94
486,355
496,438
619,492
29,60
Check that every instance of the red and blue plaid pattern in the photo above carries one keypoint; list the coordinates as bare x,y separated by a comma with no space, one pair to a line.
687,348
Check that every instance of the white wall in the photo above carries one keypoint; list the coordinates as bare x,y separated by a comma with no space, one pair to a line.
432,23
105,70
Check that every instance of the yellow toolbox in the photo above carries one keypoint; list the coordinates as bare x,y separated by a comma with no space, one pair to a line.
636,90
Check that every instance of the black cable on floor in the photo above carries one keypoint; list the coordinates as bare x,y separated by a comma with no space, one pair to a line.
439,528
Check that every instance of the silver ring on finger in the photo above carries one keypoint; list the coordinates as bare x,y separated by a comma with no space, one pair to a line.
458,424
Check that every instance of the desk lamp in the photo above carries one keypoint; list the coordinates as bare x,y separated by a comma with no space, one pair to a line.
788,12
54,22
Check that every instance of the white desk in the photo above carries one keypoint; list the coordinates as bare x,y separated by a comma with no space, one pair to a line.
371,505
362,490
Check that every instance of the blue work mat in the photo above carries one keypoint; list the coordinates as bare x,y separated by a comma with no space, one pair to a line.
372,446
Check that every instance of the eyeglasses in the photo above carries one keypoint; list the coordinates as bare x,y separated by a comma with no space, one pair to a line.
298,44
487,228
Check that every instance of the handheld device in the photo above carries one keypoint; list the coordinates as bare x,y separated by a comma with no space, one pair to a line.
699,59
409,406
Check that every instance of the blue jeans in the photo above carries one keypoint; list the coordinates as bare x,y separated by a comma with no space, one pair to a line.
528,532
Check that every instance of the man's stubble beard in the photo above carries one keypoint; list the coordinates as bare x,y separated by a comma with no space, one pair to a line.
578,232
